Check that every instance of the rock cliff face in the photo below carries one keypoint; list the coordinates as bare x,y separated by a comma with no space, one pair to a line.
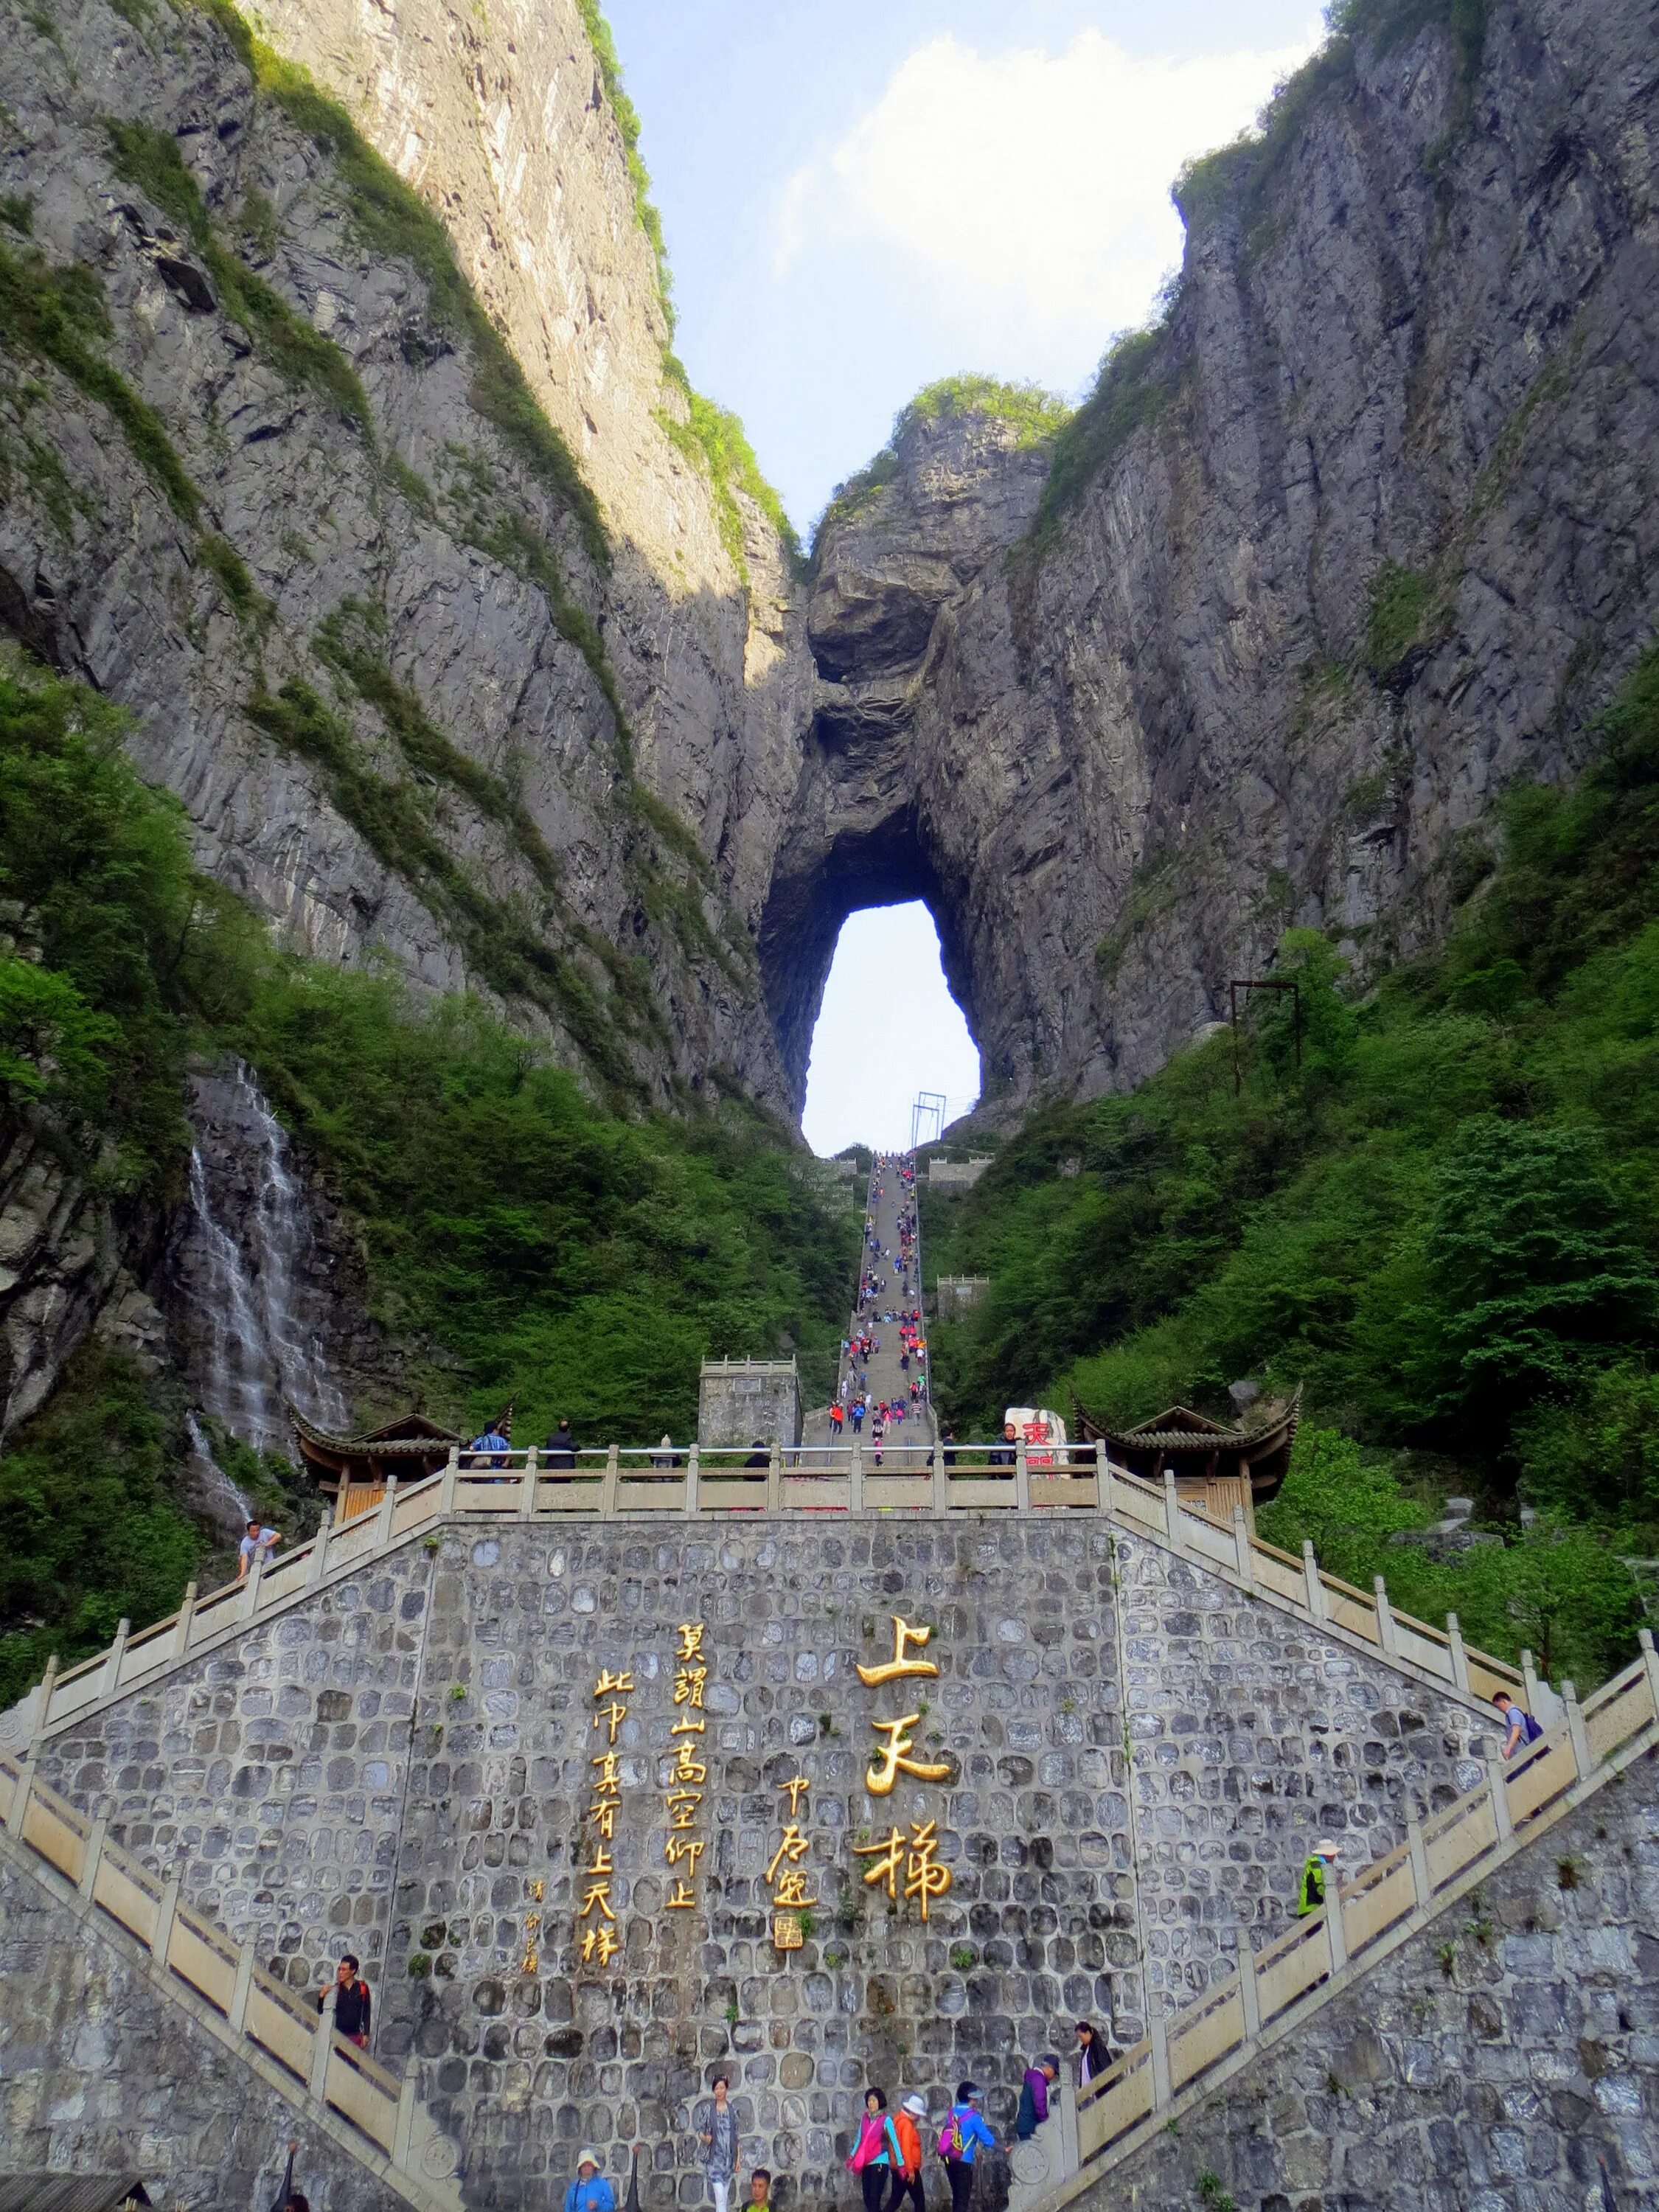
371,495
1376,528
443,655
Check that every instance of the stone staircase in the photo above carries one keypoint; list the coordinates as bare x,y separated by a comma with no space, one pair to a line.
369,2113
1191,2054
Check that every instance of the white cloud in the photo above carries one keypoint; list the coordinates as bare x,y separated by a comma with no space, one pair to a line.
1029,191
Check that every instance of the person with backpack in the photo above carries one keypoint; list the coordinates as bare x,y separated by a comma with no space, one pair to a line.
875,2158
963,2133
1318,1877
906,2170
1522,1728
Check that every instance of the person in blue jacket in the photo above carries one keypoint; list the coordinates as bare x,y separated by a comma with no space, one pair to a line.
963,2131
590,2191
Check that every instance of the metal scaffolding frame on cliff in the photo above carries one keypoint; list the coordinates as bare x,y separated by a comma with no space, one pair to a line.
1247,984
928,1106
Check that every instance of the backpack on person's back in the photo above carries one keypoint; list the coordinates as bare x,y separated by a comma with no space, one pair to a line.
950,2138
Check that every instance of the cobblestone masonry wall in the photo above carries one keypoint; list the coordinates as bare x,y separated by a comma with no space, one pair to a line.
1254,1735
397,1764
270,1775
99,2074
1492,2065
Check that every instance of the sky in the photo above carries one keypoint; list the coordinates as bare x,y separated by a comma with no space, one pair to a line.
859,199
889,1029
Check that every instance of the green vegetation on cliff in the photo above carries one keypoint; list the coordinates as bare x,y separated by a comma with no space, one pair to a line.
1034,415
521,1242
1445,1225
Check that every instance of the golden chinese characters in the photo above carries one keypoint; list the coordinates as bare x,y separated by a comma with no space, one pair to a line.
923,1875
912,1860
903,1637
788,1879
894,1759
595,1918
686,1778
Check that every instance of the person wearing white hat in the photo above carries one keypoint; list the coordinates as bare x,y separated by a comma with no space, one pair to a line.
590,2191
906,2175
1317,1877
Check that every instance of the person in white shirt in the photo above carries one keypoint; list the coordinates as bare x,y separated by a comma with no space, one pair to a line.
257,1544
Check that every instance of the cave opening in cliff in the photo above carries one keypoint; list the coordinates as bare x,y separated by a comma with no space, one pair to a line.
887,1028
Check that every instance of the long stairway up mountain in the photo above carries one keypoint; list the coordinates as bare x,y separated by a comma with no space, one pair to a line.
893,1267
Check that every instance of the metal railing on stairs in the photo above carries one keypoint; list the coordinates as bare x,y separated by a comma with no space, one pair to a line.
651,1483
1188,2052
317,2071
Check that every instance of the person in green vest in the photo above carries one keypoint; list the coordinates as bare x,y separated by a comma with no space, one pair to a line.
1316,1877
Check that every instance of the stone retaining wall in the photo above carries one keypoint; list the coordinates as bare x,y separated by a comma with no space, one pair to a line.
1138,1756
1500,2061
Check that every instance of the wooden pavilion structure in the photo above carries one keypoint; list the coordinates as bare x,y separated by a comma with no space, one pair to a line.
352,1470
1216,1467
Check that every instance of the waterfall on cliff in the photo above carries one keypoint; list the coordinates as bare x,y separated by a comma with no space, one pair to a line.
249,1264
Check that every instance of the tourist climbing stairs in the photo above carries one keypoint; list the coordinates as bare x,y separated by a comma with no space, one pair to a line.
1188,2054
291,2046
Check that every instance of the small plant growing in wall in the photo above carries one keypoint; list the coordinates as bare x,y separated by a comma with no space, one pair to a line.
420,1964
962,1958
732,2013
1210,2194
1068,1703
826,1725
457,1691
1447,1955
433,1546
1567,1873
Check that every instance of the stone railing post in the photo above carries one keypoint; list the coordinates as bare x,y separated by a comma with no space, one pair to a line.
1312,1582
1071,2156
388,1507
1420,1854
1528,1683
941,1485
693,1481
1385,1637
1650,1660
92,1854
1577,1735
167,1911
1157,2034
1102,1477
855,1478
1172,1510
775,1478
256,1575
43,1704
527,1486
322,2050
319,1544
403,2133
1503,1825
452,1475
1241,1548
1250,1996
187,1613
1022,1478
117,1652
23,1789
611,1484
1459,1661
1336,1934
241,1989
